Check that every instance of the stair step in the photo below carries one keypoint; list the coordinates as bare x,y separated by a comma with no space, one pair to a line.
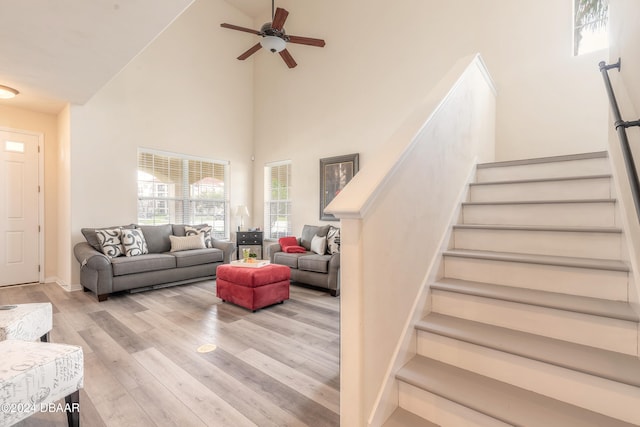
404,418
587,242
563,188
591,263
589,360
579,304
605,279
546,167
576,213
504,402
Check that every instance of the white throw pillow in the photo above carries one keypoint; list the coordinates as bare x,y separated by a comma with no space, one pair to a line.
110,242
319,245
133,242
187,242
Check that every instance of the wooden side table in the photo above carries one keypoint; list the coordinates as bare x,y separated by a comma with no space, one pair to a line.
249,238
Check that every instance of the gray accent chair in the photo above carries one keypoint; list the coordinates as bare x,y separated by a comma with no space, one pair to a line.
159,268
322,271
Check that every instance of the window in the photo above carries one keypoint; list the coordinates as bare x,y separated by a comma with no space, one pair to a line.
590,25
277,193
176,189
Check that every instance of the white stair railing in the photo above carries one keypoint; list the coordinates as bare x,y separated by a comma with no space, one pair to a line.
395,214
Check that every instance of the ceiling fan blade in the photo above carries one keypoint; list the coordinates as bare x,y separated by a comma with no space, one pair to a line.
250,52
279,18
288,59
235,27
307,40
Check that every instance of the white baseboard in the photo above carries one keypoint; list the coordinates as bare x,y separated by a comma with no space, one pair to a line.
64,285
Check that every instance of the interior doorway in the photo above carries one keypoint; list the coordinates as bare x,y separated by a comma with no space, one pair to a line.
20,207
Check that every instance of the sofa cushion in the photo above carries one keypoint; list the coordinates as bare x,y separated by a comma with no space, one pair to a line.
178,229
110,242
91,237
197,257
308,231
133,242
157,237
142,263
205,230
288,259
315,263
187,242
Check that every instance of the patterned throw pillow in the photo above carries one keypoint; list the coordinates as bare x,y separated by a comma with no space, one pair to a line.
110,242
187,242
333,240
205,230
133,242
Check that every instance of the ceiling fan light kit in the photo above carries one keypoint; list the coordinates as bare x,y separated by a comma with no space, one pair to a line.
7,92
273,43
274,38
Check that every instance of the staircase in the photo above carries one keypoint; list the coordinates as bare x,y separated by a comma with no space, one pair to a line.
530,325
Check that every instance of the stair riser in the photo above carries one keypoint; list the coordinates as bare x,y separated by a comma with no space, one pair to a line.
549,190
572,244
568,280
595,331
555,214
442,411
597,394
585,167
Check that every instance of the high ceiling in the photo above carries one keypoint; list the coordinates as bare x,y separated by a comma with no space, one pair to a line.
59,51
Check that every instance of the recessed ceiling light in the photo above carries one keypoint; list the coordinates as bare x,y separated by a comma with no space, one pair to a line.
206,348
7,92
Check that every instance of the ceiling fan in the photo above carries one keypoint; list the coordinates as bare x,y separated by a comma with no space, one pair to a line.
274,38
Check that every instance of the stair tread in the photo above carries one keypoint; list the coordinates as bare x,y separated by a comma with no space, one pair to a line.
592,263
606,364
496,399
403,418
576,303
613,230
536,180
538,202
549,159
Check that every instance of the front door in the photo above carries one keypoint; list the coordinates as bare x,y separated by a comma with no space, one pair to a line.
19,208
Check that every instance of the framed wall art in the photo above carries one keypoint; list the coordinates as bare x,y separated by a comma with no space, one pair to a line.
335,173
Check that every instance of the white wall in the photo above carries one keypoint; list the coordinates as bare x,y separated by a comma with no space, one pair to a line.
186,94
624,37
381,58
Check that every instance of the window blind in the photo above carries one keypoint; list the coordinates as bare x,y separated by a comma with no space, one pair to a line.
277,210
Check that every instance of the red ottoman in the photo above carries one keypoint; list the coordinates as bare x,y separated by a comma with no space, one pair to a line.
253,288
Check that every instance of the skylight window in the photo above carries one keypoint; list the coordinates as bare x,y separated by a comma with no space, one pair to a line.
590,26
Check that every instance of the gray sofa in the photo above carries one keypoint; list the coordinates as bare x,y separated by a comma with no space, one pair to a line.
104,275
309,267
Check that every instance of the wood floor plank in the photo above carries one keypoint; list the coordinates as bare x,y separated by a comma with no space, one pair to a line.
254,405
209,406
142,367
321,393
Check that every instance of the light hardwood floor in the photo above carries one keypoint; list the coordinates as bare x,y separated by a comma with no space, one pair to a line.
276,367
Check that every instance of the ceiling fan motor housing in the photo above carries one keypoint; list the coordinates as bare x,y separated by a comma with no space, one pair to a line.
267,30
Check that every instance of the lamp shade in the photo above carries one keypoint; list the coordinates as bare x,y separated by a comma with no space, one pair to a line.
7,92
273,43
242,211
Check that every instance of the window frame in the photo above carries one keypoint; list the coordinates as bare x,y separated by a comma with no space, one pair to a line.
277,204
184,211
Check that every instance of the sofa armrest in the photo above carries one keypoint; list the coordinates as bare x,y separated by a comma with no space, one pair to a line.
271,249
227,247
87,256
